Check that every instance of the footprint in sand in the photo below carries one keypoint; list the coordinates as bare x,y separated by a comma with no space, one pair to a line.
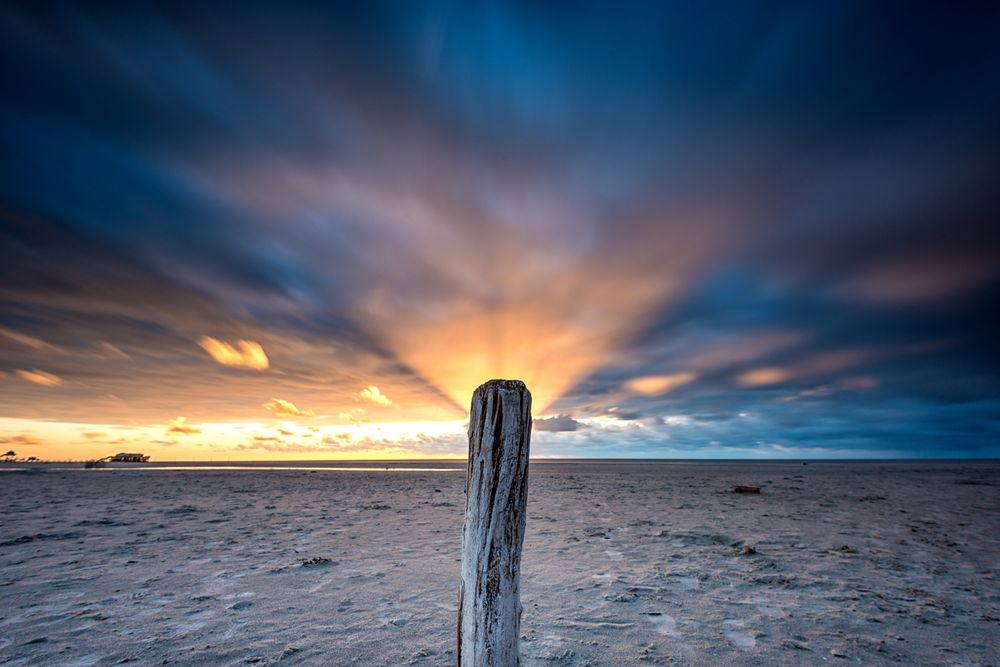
739,638
664,623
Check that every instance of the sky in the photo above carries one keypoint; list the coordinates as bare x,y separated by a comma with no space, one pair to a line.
296,231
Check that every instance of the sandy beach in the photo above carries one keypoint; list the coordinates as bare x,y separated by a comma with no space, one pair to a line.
624,563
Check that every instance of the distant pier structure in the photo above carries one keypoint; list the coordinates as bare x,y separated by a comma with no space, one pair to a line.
489,607
120,457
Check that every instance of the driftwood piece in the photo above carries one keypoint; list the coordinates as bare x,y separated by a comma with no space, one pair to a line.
747,489
489,602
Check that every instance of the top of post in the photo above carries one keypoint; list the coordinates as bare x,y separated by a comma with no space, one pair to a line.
509,385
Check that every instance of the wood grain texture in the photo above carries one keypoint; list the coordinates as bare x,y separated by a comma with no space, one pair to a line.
489,608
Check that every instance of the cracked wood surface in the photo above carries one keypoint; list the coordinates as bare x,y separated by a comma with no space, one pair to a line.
489,609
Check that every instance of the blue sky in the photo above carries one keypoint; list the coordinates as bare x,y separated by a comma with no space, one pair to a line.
765,229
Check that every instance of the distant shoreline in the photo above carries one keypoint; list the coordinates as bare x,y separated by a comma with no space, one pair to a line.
455,464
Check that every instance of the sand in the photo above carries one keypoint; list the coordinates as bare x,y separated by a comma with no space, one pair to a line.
624,564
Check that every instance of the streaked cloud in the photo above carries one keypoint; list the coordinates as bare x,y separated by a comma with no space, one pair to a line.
28,341
744,207
40,377
108,351
282,407
245,353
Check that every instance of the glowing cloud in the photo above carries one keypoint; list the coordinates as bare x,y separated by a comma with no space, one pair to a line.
654,385
373,394
763,376
249,354
179,425
41,377
282,407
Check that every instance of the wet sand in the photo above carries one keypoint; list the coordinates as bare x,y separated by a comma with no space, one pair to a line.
624,563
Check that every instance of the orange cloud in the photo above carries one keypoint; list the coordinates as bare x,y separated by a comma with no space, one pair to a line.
249,354
180,425
653,385
282,407
763,376
21,439
41,377
93,435
373,394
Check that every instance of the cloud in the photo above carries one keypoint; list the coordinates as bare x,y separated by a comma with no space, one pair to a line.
355,415
94,435
109,351
433,229
41,377
28,341
249,354
625,415
25,439
557,423
826,390
654,385
341,443
759,377
282,407
372,394
180,425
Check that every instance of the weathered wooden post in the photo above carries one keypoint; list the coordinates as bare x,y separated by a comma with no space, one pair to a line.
489,601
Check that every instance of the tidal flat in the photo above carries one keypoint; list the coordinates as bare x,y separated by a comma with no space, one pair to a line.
624,563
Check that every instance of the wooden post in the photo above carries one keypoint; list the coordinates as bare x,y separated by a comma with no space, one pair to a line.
489,601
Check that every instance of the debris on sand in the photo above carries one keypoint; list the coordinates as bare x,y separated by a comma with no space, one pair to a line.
317,562
748,549
747,489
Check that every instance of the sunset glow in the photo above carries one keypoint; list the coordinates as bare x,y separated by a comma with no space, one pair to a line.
295,234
